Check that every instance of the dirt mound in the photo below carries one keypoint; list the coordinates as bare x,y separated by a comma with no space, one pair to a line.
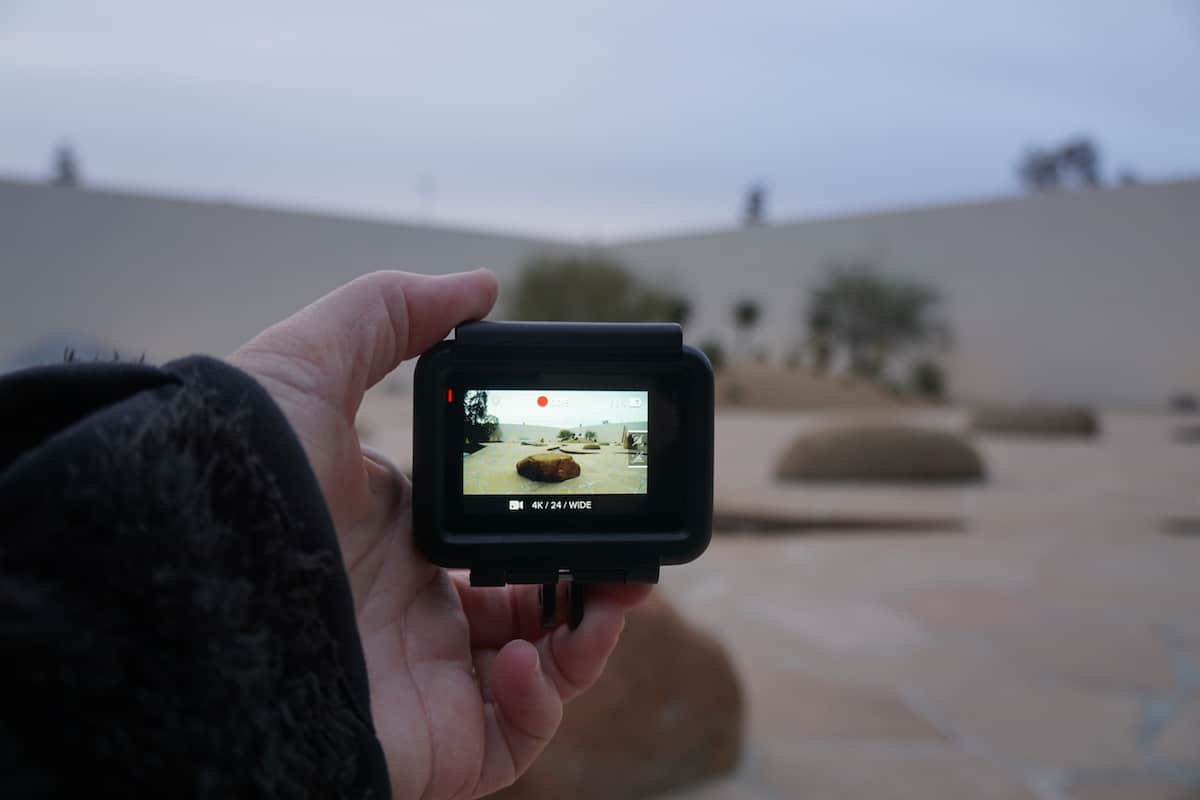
1037,420
894,453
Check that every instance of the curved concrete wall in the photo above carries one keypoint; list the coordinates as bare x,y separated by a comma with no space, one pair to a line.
1087,296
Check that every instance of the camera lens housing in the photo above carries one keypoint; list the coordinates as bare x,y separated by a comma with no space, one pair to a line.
582,450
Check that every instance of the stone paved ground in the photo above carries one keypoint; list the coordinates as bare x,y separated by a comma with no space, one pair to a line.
1050,649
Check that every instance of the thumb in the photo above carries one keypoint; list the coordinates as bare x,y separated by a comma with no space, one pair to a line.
346,342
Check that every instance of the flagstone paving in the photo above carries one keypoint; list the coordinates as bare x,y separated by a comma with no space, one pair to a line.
1049,650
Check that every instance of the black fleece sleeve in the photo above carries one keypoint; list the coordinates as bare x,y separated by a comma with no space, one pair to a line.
174,616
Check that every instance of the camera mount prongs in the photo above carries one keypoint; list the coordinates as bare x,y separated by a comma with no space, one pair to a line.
548,599
577,581
576,596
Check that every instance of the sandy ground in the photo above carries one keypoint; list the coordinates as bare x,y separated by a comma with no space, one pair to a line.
493,470
1049,649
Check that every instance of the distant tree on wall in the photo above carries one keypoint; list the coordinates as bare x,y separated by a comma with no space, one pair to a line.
65,170
1075,162
1038,170
746,314
590,436
754,212
1082,157
565,435
867,317
591,288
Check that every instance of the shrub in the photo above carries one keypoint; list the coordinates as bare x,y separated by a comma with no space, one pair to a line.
591,447
1183,403
877,452
1037,420
1188,434
591,288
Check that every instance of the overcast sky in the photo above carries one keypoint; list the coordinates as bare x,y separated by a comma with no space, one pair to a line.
565,408
593,119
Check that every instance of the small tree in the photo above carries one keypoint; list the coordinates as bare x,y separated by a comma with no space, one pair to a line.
745,316
928,380
869,317
564,435
590,436
822,352
478,425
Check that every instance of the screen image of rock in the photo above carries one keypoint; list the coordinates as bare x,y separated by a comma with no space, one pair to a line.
541,441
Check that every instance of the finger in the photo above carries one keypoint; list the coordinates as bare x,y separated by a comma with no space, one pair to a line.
423,311
574,659
387,484
525,712
358,333
482,660
502,613
499,614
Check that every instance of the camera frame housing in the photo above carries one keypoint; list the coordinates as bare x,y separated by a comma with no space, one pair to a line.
525,353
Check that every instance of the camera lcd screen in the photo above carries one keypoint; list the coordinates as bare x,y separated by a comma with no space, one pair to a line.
556,444
558,450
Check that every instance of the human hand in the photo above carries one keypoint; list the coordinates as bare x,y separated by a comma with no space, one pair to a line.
465,689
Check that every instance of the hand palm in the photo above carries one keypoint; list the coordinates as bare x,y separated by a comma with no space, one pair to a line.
462,702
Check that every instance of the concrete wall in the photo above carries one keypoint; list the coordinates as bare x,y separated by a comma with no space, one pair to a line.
1091,296
170,277
1075,296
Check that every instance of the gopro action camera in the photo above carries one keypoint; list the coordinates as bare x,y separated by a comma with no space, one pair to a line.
547,451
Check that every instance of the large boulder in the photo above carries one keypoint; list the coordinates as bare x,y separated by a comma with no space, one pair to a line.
548,467
1037,420
666,713
876,452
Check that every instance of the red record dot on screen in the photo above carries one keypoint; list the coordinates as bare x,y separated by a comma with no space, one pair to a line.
542,400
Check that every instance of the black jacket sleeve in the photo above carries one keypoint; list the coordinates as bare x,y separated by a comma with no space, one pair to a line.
175,620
